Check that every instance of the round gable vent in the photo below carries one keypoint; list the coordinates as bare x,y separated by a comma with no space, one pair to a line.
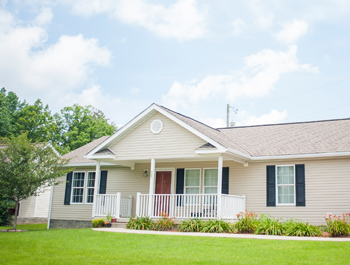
156,126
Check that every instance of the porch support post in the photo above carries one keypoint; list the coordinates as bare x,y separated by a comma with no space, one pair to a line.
151,186
96,188
220,164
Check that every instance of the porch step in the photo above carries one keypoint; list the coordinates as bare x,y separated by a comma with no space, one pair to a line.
118,225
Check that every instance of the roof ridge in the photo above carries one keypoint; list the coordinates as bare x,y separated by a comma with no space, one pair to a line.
216,130
278,124
188,117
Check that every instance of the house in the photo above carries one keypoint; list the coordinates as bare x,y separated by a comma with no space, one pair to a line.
164,161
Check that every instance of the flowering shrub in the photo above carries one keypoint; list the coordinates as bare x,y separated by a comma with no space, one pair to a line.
246,222
298,228
191,225
338,225
140,223
164,223
96,222
215,226
269,226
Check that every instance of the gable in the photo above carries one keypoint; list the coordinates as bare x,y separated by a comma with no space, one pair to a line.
173,141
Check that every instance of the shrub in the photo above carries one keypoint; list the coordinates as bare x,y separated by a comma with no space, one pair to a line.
297,228
97,222
140,223
269,226
246,222
215,226
164,223
191,225
5,215
338,225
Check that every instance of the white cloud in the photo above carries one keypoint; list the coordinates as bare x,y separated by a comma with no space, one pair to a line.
273,117
264,21
182,20
292,31
44,17
238,26
28,65
135,91
214,122
258,77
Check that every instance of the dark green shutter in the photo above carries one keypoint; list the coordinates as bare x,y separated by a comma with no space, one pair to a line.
68,188
103,182
225,178
300,185
270,185
180,180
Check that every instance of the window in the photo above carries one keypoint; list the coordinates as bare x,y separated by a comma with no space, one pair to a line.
78,187
192,184
210,181
156,126
285,185
90,186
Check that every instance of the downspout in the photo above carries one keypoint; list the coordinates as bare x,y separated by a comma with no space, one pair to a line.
51,199
36,202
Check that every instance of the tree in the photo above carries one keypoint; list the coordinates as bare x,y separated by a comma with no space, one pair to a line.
37,121
80,125
28,169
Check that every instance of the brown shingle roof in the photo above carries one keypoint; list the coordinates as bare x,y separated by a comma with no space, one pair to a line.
212,133
329,136
77,155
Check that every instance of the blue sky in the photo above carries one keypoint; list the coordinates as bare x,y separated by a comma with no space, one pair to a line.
262,57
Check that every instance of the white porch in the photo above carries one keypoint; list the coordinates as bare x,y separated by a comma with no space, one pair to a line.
180,206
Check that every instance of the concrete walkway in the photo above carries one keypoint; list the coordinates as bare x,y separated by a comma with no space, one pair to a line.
249,236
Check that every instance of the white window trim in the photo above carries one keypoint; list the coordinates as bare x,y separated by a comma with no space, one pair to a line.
86,187
161,127
210,186
285,204
199,187
72,188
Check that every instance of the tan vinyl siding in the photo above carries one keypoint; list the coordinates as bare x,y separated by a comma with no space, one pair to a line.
42,205
172,141
327,188
27,207
60,211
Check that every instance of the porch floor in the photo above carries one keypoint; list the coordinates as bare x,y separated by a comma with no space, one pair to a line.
249,236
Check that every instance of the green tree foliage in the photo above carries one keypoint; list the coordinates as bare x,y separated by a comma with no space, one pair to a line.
28,169
67,130
9,106
81,125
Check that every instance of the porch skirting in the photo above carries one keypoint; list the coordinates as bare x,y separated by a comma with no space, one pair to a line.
69,224
31,220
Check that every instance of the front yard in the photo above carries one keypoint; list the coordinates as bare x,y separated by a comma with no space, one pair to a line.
84,246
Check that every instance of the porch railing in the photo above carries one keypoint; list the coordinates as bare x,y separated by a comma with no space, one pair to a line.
113,204
189,205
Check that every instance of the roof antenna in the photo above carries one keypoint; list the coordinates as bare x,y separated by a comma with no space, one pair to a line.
232,123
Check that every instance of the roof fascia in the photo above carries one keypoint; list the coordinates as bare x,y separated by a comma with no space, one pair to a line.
318,155
144,115
124,129
88,164
188,127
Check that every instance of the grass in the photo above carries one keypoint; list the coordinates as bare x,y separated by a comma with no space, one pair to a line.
84,246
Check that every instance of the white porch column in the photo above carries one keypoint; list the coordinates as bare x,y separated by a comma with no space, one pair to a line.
151,186
97,186
220,164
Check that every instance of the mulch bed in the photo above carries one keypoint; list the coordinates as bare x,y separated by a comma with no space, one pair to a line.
12,230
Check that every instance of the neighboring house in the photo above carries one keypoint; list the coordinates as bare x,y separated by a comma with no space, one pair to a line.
35,209
169,162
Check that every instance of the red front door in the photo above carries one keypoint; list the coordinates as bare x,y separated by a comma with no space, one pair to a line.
163,186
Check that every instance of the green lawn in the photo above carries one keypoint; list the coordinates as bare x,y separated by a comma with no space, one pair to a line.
84,246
